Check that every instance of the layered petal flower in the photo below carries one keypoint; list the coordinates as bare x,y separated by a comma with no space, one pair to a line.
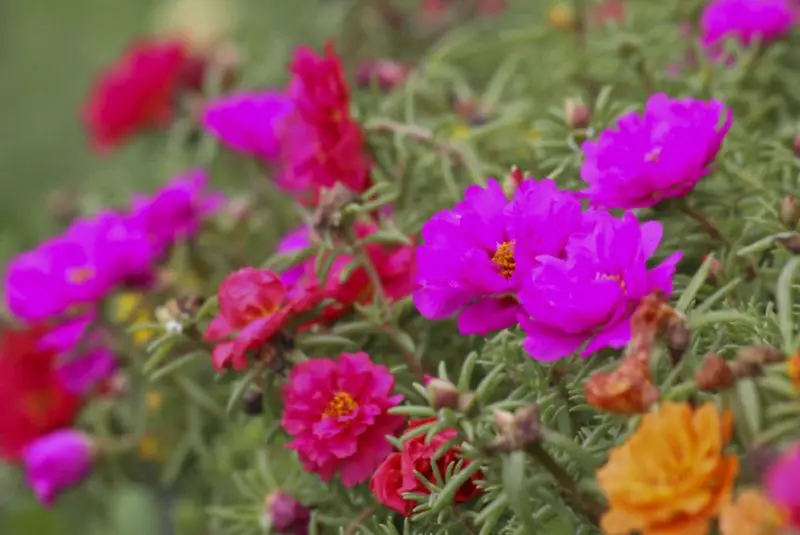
651,156
475,256
337,414
587,298
746,21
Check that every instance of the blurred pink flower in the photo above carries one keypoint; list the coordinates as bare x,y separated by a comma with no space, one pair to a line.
746,21
57,462
782,484
337,414
651,156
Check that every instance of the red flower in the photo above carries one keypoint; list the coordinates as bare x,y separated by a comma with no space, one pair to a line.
323,145
608,11
137,92
396,475
254,305
33,399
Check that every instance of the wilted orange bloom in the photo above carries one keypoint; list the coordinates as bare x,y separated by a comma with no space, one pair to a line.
751,514
671,476
626,390
793,368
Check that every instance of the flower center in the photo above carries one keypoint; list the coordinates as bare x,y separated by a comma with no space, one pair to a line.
79,275
653,156
504,258
342,404
615,278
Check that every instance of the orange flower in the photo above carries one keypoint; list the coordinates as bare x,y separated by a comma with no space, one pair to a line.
793,368
751,514
671,476
626,390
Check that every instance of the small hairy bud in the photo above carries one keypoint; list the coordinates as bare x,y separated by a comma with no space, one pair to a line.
790,242
516,431
253,402
328,216
576,113
789,211
386,73
714,271
513,181
714,374
677,336
443,394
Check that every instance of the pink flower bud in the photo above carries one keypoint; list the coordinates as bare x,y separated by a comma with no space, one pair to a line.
789,211
56,462
443,394
287,515
576,114
387,73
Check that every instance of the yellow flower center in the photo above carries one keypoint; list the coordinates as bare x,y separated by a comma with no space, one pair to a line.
342,404
653,156
79,275
615,278
504,258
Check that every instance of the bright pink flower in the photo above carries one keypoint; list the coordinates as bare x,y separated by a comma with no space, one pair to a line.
475,257
397,474
84,359
337,414
82,266
746,21
250,123
588,296
655,155
783,484
136,93
323,145
57,462
254,306
176,211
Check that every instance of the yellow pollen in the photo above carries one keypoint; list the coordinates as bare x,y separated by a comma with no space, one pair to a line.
79,275
504,258
342,404
653,156
615,278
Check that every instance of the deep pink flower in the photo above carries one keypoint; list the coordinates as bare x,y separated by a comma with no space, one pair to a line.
651,156
337,414
254,306
589,296
137,92
84,359
475,256
57,462
782,484
250,123
394,264
176,211
746,21
82,266
322,144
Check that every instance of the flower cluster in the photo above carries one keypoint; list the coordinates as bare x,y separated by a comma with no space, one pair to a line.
307,129
570,278
400,472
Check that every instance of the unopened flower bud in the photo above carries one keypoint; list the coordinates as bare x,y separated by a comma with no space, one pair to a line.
253,401
789,211
516,431
751,360
328,218
513,181
714,271
386,73
790,242
561,17
286,515
443,394
677,336
576,114
627,390
714,374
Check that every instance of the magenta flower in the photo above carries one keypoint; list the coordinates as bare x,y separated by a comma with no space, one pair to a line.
82,266
589,296
655,155
337,414
746,21
177,210
84,360
56,462
782,484
249,123
475,256
296,240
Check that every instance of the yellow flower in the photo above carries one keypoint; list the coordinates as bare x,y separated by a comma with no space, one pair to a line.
751,514
154,400
151,449
129,310
671,476
460,131
793,369
561,17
